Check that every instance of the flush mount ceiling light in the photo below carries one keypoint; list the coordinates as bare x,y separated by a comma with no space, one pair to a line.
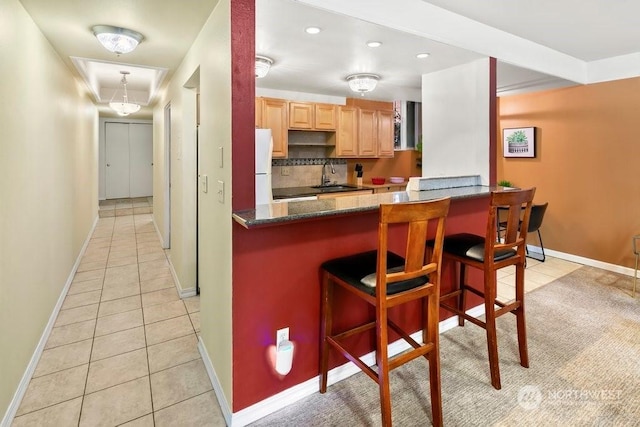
363,83
262,66
374,44
116,39
313,30
125,107
422,55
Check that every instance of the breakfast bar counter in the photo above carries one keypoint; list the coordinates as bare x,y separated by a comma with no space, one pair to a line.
278,251
285,212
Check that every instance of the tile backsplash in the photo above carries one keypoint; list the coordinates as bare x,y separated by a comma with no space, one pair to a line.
306,172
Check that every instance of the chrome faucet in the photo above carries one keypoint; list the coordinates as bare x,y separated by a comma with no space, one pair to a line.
325,179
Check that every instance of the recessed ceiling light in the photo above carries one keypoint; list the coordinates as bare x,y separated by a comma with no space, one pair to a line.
422,55
313,30
374,44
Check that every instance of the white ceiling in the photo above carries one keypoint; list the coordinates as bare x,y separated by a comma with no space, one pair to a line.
541,44
168,26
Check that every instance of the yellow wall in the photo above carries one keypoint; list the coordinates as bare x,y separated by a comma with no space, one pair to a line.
210,55
586,165
48,186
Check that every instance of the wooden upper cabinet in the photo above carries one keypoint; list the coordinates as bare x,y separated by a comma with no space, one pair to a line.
325,116
274,117
347,132
310,116
258,112
300,115
385,133
368,133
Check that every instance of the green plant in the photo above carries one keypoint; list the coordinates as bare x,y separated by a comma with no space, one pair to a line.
518,137
419,144
505,183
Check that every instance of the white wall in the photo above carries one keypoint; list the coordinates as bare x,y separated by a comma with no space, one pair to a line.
210,56
48,186
455,121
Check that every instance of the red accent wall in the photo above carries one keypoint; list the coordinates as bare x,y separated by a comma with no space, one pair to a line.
242,103
277,284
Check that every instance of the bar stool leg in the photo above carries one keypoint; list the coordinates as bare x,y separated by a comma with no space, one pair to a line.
520,317
382,361
433,310
490,326
461,286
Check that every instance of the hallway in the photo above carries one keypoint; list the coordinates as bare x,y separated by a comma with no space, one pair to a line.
123,349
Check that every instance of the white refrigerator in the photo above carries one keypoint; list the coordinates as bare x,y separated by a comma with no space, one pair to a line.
264,147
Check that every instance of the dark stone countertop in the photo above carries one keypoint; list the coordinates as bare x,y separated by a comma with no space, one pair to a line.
281,213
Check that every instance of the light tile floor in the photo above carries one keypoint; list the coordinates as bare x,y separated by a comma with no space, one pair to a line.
123,207
123,350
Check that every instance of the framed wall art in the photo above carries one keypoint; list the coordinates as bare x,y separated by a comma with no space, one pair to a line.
519,142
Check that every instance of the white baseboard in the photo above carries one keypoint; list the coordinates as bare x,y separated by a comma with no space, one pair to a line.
183,293
35,358
300,391
583,260
153,220
213,377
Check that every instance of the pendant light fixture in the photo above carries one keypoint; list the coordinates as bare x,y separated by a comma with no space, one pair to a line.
125,107
116,39
362,83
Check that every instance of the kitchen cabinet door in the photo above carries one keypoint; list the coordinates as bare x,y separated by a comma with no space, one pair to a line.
367,133
258,112
325,116
347,132
274,117
385,133
300,115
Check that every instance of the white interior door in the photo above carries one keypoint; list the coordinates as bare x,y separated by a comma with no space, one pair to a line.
117,160
141,160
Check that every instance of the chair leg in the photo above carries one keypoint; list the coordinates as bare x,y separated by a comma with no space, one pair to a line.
325,329
635,277
541,246
461,298
433,313
520,317
490,326
382,360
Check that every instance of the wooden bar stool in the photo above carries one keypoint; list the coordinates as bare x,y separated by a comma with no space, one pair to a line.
384,280
487,254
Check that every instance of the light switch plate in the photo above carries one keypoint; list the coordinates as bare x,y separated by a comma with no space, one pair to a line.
204,182
221,191
221,153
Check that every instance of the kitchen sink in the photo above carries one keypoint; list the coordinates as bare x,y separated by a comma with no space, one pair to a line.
335,187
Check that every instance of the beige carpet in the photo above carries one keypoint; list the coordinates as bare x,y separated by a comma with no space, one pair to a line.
584,349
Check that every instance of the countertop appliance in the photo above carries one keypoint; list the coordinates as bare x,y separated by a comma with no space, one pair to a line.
264,147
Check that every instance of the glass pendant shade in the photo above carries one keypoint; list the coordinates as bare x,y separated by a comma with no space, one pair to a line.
362,83
116,39
263,64
125,107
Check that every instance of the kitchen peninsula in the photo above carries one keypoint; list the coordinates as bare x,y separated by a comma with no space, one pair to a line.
278,250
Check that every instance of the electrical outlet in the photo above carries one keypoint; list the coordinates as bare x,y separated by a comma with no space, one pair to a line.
282,335
285,171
